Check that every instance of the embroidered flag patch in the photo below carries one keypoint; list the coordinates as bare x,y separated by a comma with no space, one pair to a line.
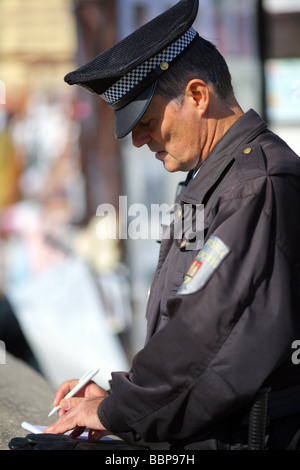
204,265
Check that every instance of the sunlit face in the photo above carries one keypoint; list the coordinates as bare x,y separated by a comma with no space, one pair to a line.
174,132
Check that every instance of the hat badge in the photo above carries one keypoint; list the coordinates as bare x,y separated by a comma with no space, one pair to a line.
164,65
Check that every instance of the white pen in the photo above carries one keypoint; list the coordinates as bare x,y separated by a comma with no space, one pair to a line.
81,383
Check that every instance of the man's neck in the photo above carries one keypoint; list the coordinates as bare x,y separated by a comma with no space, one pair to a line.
220,119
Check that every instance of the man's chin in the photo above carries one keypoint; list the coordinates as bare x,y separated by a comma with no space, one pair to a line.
172,168
170,163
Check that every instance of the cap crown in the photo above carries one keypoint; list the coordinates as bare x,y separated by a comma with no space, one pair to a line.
99,74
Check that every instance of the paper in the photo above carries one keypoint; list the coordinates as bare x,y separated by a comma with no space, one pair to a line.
35,429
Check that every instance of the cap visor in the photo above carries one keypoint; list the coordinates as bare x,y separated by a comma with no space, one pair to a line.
127,118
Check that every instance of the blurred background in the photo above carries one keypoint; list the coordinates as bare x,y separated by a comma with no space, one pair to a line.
70,299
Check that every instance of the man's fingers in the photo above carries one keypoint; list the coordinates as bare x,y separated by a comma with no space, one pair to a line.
81,412
65,388
67,403
77,431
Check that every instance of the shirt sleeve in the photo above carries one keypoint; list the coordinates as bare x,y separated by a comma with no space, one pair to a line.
224,337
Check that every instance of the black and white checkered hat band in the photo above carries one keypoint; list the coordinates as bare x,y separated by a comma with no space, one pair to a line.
129,81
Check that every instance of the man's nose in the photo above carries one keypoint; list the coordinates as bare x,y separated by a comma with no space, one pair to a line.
140,136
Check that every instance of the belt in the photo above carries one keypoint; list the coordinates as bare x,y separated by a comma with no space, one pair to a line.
267,405
284,402
270,405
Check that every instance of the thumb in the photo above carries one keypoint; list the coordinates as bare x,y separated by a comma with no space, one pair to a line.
68,403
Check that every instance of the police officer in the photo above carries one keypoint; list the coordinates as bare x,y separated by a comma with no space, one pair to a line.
222,316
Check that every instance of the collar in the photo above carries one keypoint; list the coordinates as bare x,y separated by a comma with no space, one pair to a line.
242,132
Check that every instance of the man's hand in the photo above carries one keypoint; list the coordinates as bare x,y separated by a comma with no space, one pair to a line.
89,390
80,412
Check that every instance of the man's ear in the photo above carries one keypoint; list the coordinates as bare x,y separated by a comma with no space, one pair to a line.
198,90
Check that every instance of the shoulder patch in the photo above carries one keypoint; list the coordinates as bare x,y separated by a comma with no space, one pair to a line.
204,265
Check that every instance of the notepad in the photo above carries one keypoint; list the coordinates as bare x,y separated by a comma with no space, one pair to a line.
35,429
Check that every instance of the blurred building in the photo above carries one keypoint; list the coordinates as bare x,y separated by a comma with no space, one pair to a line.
37,43
37,47
40,42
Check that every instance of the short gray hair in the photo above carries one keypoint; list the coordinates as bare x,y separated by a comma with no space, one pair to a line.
201,60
